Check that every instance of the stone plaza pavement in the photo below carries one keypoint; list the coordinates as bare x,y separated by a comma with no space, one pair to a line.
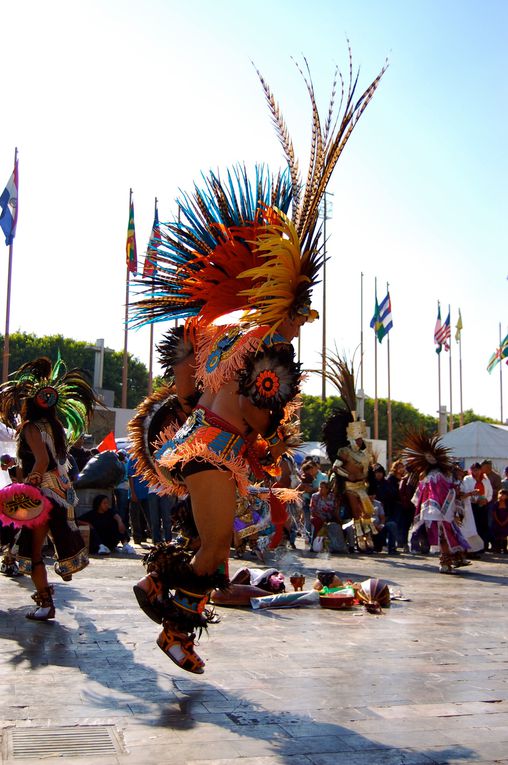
425,682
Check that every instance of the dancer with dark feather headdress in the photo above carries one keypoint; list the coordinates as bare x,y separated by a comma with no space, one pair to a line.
49,406
248,245
429,462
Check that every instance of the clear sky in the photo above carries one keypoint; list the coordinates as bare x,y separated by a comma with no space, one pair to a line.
103,95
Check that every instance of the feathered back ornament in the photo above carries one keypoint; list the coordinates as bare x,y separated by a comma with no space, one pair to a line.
422,453
329,138
154,415
68,391
343,424
203,256
252,245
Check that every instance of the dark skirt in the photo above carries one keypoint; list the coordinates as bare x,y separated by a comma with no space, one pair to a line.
70,550
7,535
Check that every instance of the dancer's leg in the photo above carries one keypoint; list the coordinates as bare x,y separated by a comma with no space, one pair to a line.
45,608
39,573
213,498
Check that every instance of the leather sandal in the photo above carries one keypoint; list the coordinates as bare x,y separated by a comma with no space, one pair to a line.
45,607
148,593
179,647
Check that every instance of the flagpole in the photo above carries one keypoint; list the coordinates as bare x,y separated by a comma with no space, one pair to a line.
323,322
361,408
5,364
150,363
125,365
389,400
376,409
460,381
150,356
500,373
6,353
438,373
451,388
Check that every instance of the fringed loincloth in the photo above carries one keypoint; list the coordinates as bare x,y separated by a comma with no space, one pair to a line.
207,438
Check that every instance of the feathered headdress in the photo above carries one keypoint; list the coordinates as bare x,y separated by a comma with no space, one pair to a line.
68,391
422,453
238,246
343,424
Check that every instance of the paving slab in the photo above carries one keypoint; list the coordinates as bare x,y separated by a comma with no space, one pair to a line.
423,683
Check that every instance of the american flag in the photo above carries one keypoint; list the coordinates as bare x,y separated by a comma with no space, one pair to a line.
442,332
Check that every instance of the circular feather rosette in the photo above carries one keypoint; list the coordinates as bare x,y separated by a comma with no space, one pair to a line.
270,378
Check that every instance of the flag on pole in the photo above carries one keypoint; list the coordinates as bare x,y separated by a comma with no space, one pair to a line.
150,264
499,353
442,332
9,206
382,321
458,328
131,249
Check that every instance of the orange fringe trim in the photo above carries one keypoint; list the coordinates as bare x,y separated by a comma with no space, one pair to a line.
198,450
140,449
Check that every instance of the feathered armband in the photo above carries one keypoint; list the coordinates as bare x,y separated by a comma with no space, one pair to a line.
271,377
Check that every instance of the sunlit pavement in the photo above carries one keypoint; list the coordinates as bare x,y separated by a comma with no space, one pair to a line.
425,682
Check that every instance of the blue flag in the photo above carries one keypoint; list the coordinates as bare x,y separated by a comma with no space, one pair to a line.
9,207
382,321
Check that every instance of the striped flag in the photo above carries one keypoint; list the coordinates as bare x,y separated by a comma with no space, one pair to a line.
382,321
150,264
131,249
9,206
442,332
499,353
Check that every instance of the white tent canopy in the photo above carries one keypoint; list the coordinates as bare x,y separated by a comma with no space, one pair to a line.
479,441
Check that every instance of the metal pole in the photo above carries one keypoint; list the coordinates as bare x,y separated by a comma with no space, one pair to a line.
376,407
150,363
361,408
439,385
389,401
150,356
125,365
460,382
451,388
500,374
6,351
439,373
323,349
5,363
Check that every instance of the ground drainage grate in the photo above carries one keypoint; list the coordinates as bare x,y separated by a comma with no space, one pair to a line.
82,741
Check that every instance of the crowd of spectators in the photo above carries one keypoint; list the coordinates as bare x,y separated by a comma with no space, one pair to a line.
126,509
325,522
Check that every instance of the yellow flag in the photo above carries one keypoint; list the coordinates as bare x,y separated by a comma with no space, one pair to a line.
458,328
